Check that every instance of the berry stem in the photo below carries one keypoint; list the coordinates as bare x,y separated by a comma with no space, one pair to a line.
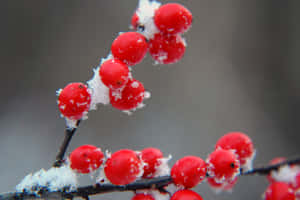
266,170
63,148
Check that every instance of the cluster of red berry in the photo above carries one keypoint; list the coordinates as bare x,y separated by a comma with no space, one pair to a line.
232,152
284,183
165,45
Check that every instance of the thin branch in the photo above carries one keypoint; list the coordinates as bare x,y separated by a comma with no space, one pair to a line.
63,148
266,170
155,183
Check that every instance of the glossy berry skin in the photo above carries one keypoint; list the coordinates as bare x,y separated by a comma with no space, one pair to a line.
226,186
240,143
166,49
172,18
188,171
74,100
150,157
279,191
86,159
186,195
114,73
223,165
130,48
274,162
123,167
129,97
142,197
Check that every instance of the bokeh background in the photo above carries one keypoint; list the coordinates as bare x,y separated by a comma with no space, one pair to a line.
240,73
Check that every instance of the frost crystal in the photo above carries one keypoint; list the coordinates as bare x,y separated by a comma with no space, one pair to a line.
145,13
54,179
99,92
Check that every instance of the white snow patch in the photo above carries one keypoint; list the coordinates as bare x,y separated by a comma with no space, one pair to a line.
163,169
99,92
249,162
286,173
145,12
53,179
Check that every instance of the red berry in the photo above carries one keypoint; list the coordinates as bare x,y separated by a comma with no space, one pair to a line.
173,18
279,191
227,185
86,159
130,48
114,73
123,167
166,49
188,171
274,162
128,98
74,100
186,195
150,157
134,21
240,143
223,165
142,197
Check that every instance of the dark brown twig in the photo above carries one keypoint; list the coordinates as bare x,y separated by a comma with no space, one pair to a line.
63,148
266,170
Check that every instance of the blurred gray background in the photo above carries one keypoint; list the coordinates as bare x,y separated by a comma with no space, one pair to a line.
240,73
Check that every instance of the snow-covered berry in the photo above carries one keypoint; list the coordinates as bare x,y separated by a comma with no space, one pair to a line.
173,18
130,48
240,143
279,191
223,165
114,73
151,158
74,100
166,49
142,197
223,186
123,167
186,195
188,171
130,97
86,159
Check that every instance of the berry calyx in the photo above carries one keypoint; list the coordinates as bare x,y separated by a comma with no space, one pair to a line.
279,191
74,100
172,18
150,157
130,48
223,165
114,73
188,171
86,159
240,143
142,197
186,195
166,49
128,98
123,167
